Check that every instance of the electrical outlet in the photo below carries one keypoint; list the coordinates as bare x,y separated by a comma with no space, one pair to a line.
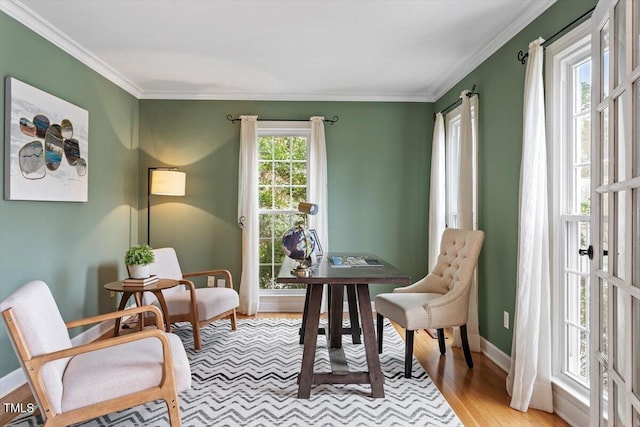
211,281
222,283
505,320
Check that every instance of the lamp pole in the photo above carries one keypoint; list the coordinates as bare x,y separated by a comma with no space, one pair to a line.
149,205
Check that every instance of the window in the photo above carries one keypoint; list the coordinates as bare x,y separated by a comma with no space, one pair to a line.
569,76
282,184
452,162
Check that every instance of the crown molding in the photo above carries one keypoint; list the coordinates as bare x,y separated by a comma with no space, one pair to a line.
27,17
517,23
246,96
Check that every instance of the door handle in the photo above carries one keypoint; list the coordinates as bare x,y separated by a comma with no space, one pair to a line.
586,252
589,252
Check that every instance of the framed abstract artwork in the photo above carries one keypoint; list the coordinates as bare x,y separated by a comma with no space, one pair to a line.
46,144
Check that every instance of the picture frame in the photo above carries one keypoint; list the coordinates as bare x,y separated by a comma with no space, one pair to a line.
46,146
318,250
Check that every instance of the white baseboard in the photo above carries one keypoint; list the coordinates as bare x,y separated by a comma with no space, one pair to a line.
17,378
496,355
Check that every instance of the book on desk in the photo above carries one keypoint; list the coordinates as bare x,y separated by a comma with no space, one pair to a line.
353,261
140,282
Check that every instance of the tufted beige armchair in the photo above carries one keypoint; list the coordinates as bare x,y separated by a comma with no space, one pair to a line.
439,300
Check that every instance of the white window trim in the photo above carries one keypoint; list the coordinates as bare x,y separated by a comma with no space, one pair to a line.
566,393
286,300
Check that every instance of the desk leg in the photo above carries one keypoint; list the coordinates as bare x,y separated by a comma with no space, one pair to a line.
165,310
369,335
353,314
310,341
304,313
335,316
123,304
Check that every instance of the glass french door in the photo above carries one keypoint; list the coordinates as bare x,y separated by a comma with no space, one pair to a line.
615,270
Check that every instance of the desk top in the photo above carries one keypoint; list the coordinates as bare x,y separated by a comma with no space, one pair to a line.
118,286
323,272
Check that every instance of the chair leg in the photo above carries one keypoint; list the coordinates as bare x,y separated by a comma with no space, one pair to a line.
380,328
465,346
234,324
174,413
196,334
408,353
443,349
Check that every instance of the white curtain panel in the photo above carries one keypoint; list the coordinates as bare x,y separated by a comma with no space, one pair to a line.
529,379
466,206
317,186
437,200
248,214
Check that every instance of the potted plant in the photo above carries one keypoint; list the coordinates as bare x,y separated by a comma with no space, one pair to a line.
137,260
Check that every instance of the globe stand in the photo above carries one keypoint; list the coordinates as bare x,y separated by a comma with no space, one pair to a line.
302,269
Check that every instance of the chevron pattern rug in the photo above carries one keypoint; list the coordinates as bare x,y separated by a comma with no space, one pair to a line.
248,378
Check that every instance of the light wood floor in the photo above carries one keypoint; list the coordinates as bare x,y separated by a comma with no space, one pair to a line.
478,395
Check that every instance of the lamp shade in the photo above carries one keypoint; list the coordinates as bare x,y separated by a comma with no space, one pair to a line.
308,208
168,182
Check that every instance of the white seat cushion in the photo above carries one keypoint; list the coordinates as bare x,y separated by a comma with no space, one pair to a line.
211,302
104,374
407,309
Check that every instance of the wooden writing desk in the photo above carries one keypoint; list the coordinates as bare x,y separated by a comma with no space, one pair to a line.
337,279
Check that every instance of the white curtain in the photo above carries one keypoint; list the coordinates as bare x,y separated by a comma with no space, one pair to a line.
529,379
248,214
317,186
437,200
467,205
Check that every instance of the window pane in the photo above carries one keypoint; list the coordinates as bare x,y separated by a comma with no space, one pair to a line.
605,146
621,41
265,195
604,41
282,173
577,354
265,225
621,240
282,148
618,328
620,404
583,87
577,297
582,192
578,237
265,251
636,239
265,144
583,139
299,148
267,280
282,198
621,139
604,317
604,378
636,32
636,123
265,174
604,230
299,174
635,346
299,194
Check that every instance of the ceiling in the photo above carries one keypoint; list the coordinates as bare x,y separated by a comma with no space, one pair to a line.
361,50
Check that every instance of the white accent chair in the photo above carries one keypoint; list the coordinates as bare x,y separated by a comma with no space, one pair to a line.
73,384
439,300
185,302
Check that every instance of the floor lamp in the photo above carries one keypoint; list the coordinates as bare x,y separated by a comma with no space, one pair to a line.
163,182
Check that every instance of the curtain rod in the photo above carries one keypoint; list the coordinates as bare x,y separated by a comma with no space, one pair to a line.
522,57
453,104
237,119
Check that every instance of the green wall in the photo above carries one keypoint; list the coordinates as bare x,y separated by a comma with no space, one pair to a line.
74,247
378,167
500,82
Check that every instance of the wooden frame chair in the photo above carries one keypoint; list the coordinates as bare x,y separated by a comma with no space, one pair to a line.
185,302
73,384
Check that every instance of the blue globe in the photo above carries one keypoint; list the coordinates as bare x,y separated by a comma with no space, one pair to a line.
298,243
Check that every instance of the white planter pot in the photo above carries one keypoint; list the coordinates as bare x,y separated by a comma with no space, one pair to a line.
139,271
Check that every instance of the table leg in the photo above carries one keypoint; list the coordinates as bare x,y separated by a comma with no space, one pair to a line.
353,314
335,316
369,335
304,313
121,306
310,341
165,310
